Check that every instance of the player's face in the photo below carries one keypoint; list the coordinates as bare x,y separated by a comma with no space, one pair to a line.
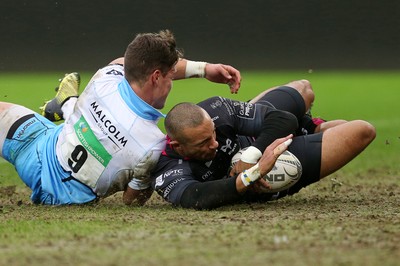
164,87
201,141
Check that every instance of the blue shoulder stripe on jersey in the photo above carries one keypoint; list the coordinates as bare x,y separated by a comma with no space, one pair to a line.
140,107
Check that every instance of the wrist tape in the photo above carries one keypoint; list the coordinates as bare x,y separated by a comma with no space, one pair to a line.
250,175
251,155
195,69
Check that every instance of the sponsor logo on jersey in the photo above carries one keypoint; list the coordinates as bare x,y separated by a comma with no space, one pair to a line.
107,126
90,143
83,127
114,72
244,110
161,179
207,175
173,172
170,186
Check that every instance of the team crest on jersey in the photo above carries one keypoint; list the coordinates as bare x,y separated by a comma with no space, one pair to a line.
228,147
216,104
159,181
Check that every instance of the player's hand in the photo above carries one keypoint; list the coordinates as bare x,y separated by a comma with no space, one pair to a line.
239,167
260,185
225,74
272,152
139,197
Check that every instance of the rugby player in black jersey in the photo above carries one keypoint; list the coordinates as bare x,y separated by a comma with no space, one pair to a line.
193,170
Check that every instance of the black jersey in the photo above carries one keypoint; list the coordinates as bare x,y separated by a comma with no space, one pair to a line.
232,119
205,185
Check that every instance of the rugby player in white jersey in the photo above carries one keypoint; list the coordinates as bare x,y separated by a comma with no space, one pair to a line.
110,140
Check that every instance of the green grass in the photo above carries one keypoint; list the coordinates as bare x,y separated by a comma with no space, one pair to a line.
357,223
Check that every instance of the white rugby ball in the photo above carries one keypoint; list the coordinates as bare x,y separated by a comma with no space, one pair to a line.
286,172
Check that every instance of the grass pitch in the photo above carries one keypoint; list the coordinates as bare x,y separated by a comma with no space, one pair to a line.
350,218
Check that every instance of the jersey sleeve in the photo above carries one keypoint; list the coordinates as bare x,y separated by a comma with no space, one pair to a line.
171,178
176,183
141,178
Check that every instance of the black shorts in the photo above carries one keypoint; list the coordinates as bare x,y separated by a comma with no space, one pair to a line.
287,99
307,149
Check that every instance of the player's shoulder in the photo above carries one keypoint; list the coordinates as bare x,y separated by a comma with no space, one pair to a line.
167,165
210,103
108,73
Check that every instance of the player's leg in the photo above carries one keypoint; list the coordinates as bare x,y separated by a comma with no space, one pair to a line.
323,153
342,143
286,99
303,87
9,115
23,136
61,106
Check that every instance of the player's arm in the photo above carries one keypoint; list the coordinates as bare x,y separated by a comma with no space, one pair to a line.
131,196
137,191
213,194
218,73
267,125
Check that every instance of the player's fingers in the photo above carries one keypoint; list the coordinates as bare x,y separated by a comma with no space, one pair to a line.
263,183
232,77
282,146
234,86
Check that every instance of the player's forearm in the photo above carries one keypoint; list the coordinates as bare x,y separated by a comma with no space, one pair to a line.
210,195
277,124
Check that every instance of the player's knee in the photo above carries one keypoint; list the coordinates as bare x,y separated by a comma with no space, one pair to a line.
4,106
307,91
367,131
303,86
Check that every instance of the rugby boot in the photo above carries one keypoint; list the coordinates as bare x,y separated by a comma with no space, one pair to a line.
69,87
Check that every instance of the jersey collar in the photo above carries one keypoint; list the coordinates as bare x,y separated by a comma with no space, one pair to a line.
136,104
170,152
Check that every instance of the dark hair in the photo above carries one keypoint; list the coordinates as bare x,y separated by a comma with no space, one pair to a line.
148,52
183,115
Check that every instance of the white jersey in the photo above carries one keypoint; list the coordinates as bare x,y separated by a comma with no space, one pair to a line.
111,139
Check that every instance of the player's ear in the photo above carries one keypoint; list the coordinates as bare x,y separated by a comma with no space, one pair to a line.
176,145
155,75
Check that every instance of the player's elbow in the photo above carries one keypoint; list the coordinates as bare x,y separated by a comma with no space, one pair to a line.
287,121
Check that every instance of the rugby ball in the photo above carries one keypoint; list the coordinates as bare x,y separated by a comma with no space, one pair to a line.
286,172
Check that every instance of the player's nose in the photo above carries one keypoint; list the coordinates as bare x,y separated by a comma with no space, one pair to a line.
214,145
